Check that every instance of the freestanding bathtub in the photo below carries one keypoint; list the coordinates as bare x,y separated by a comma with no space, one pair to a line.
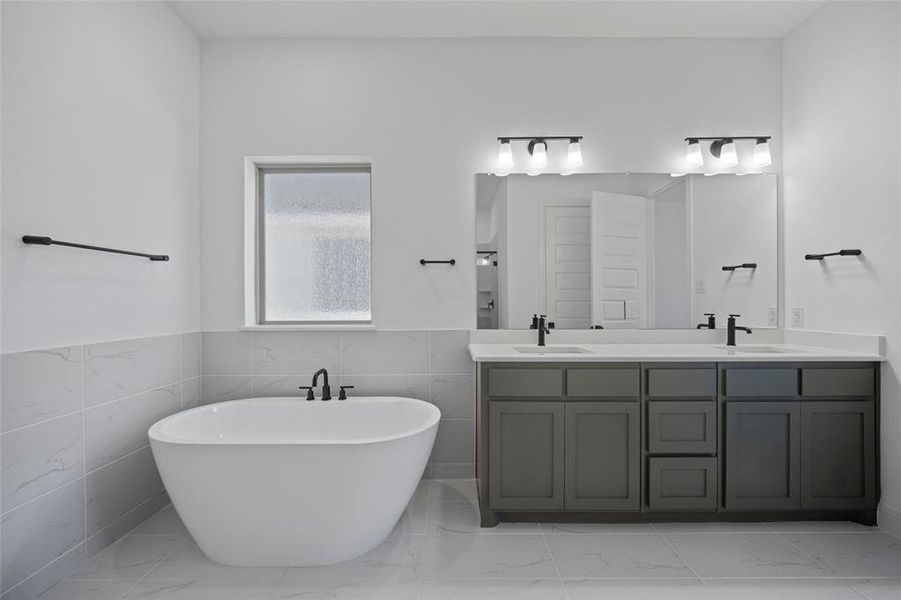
285,482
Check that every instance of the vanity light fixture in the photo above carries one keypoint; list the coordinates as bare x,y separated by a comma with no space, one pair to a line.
574,154
761,156
693,156
723,149
538,154
504,156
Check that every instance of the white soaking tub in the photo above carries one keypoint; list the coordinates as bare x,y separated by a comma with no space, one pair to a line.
285,482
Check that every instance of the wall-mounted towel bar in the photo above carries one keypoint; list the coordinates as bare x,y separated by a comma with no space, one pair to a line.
847,252
46,241
423,261
741,266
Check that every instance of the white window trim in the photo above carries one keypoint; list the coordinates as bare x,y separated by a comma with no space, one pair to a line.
252,164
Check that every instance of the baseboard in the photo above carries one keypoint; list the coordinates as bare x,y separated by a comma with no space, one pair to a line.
889,520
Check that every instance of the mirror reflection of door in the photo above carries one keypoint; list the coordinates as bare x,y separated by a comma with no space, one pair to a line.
619,261
626,250
568,266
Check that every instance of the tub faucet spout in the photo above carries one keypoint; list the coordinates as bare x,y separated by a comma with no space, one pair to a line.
326,390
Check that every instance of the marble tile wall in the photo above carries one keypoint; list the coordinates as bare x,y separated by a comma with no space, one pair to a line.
77,471
429,365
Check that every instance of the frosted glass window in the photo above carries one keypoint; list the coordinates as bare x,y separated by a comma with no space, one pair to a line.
315,241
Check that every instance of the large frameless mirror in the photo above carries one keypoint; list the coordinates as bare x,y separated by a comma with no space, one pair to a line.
626,250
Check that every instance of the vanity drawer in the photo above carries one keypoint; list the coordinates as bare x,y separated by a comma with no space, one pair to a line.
682,483
758,383
838,382
681,383
620,383
677,427
525,383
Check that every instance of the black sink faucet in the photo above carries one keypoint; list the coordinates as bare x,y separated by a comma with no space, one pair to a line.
711,322
326,390
730,330
543,329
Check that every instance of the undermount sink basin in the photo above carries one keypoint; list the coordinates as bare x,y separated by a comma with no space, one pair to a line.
759,349
550,350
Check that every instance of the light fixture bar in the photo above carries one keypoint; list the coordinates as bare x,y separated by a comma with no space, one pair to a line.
721,137
551,137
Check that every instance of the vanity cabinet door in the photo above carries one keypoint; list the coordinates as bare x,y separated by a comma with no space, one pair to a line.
838,456
763,455
603,455
525,455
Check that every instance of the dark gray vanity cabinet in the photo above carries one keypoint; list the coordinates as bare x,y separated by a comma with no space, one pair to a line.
602,455
526,455
727,441
838,455
763,456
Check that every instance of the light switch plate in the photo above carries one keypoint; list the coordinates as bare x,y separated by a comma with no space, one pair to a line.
797,317
772,318
699,286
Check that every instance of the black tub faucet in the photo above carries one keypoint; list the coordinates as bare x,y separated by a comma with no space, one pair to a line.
711,322
730,330
326,390
543,329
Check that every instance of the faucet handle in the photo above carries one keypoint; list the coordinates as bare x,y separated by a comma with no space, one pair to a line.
711,314
342,395
734,316
309,390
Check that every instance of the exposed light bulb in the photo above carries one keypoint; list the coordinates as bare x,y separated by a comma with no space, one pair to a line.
538,150
693,156
504,156
483,260
761,156
728,153
574,154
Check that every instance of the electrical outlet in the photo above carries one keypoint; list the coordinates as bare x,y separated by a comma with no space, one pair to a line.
772,318
699,286
797,317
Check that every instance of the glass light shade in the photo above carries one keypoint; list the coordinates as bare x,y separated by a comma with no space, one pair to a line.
728,154
539,155
574,154
762,157
504,156
693,156
483,260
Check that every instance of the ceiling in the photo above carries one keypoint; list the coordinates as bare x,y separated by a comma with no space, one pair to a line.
213,19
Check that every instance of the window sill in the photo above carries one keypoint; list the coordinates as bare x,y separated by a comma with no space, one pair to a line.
311,327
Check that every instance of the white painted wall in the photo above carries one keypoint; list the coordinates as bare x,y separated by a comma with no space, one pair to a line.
841,122
428,112
100,145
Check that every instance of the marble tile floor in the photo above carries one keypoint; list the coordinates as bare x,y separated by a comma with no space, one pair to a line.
438,552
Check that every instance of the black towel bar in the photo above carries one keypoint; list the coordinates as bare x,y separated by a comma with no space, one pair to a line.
846,252
423,261
47,241
741,266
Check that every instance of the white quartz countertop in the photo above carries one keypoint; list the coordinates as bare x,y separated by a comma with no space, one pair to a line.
663,353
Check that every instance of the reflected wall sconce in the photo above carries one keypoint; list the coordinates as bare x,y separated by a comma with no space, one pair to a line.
723,149
483,258
538,154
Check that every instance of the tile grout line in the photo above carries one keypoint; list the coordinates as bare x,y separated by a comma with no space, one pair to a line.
84,458
685,562
804,552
